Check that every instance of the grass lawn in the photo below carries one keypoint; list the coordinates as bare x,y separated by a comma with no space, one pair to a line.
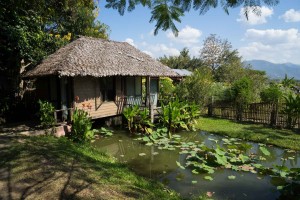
254,132
50,168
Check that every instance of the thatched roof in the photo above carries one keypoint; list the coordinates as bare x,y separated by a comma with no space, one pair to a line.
95,57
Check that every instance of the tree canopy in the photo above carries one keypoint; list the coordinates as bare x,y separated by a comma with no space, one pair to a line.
32,29
166,13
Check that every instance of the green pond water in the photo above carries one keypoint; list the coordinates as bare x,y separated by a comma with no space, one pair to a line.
161,165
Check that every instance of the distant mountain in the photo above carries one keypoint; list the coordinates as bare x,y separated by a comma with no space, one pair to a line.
276,71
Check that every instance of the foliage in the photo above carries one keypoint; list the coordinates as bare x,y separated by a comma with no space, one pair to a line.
215,52
231,67
241,93
166,89
81,127
105,131
292,109
252,132
196,88
46,114
287,82
137,120
30,30
173,116
164,13
272,94
176,114
182,61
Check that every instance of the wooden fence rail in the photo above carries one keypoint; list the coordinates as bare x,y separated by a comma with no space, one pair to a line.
265,113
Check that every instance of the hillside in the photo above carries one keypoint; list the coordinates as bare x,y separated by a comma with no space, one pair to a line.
276,71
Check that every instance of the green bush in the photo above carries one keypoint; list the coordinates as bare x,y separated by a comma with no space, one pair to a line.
137,120
81,127
46,114
176,114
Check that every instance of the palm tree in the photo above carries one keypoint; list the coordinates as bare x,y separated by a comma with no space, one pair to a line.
165,12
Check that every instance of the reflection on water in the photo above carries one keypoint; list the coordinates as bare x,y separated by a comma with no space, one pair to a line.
161,165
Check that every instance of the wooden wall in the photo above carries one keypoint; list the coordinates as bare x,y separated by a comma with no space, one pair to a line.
88,91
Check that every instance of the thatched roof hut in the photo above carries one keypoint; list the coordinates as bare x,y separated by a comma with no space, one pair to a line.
95,57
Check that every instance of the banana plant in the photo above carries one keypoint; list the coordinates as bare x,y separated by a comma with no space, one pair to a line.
173,116
130,113
292,109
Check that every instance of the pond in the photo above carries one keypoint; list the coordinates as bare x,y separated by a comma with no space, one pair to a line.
149,161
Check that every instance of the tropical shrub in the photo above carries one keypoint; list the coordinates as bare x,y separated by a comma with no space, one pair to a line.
177,114
46,114
196,88
272,94
137,120
166,89
241,93
292,109
130,113
81,127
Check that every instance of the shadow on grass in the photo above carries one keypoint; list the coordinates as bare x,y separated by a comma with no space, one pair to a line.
45,167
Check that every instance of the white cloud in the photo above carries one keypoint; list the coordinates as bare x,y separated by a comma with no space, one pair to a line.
187,36
272,36
158,50
291,16
195,51
253,18
275,45
130,41
149,53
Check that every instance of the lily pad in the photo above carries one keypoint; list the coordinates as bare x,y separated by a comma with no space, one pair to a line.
231,177
179,165
142,154
209,178
194,182
264,151
280,187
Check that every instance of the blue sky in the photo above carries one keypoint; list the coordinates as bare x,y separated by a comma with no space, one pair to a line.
274,36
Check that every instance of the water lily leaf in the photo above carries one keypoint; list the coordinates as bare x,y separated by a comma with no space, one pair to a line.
142,154
155,153
231,177
176,136
225,140
171,148
149,130
262,158
219,151
264,151
209,178
195,171
184,152
194,182
214,140
179,165
291,151
222,160
149,143
146,139
280,187
258,166
291,158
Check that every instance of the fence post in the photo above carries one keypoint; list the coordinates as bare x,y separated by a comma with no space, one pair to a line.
210,107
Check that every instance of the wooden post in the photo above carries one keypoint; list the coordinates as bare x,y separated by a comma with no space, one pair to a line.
148,97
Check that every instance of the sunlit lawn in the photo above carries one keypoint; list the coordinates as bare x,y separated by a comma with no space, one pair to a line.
254,132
